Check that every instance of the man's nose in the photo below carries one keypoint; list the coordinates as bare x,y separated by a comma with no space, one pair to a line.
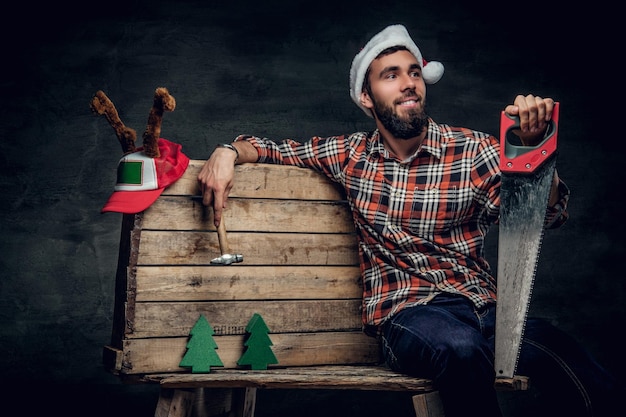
408,82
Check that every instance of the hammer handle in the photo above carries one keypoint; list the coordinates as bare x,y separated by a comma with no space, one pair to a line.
221,236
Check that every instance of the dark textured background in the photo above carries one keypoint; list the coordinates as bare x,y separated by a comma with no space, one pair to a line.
275,68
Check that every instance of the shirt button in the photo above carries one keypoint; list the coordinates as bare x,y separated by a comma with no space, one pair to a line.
422,269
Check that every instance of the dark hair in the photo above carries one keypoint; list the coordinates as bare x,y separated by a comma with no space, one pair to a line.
366,81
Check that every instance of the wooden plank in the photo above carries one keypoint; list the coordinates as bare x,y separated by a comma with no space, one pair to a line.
198,248
200,283
216,401
174,319
158,355
370,377
264,181
258,215
174,403
244,402
354,377
428,405
112,358
123,310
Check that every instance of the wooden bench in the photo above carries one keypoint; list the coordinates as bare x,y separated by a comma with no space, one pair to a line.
299,272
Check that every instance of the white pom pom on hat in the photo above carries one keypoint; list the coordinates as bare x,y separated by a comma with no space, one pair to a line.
394,35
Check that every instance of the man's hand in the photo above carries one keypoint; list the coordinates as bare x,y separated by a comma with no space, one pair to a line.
216,180
534,114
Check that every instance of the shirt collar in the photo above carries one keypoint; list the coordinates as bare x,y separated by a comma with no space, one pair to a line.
432,144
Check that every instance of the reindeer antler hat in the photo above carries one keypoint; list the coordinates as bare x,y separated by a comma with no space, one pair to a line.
142,173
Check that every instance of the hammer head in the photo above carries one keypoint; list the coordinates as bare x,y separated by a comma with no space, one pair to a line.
227,259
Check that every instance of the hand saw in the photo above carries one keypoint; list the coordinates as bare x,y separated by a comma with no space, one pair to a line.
527,174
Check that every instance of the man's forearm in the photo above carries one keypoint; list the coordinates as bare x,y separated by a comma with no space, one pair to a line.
247,152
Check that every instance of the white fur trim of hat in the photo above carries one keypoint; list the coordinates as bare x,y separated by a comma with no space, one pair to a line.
394,35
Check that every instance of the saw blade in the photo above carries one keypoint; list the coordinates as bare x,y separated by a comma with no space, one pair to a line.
527,174
523,201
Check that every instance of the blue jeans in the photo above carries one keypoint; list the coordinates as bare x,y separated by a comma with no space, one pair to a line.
451,342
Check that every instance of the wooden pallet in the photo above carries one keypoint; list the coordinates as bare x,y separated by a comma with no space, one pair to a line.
299,272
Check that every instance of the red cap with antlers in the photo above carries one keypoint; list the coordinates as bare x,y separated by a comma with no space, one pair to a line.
142,179
142,173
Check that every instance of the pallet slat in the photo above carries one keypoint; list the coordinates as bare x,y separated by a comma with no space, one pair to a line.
174,319
155,355
259,215
335,377
353,377
265,181
198,248
224,283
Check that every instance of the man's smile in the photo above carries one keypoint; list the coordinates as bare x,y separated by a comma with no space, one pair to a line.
408,102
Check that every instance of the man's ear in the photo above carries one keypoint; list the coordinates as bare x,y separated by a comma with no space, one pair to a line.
366,100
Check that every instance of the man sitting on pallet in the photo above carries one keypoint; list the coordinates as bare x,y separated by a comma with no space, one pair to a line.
423,196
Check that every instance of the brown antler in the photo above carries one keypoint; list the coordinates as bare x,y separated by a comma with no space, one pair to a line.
163,101
101,105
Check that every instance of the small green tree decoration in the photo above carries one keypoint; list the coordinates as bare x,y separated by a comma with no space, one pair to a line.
201,348
258,353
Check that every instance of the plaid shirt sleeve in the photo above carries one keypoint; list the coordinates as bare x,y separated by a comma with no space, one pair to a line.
557,215
323,154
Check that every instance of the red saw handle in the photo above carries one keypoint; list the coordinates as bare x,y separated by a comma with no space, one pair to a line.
526,159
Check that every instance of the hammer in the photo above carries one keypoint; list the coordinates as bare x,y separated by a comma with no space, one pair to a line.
227,258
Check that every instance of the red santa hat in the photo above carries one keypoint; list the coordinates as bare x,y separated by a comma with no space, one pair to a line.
394,35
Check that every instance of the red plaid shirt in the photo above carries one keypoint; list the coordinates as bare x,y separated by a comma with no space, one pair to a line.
421,222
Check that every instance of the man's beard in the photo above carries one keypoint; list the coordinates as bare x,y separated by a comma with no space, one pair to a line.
402,128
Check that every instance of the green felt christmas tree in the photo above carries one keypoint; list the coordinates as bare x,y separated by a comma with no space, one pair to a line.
201,348
258,353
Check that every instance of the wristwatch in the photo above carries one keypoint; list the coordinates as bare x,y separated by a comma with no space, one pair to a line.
231,147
